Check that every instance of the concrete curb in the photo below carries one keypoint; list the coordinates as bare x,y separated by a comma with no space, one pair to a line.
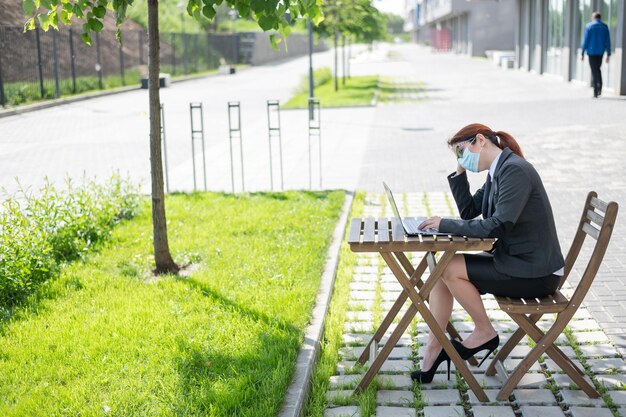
300,386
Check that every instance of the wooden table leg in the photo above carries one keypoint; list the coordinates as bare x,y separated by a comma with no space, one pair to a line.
386,350
415,275
418,302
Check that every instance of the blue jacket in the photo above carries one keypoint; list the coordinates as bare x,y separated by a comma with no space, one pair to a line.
596,39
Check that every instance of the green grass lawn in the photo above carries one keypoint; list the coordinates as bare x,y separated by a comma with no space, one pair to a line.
109,339
358,91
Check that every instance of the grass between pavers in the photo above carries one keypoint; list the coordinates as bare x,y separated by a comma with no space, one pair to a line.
602,390
333,328
107,338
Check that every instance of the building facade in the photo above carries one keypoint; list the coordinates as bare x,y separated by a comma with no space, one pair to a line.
462,26
549,34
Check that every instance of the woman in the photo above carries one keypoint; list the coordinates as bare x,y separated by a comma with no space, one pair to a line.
526,260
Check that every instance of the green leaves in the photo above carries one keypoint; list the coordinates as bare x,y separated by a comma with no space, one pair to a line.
267,22
95,24
99,11
44,21
30,24
30,6
86,35
274,41
269,14
208,12
66,17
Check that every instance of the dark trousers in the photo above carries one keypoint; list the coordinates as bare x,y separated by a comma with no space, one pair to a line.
595,62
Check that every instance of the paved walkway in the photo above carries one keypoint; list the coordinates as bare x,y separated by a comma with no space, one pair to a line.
545,391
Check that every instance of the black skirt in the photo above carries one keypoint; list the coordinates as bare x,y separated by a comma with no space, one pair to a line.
482,273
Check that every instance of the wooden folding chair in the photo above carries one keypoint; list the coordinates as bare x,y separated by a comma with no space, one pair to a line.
596,222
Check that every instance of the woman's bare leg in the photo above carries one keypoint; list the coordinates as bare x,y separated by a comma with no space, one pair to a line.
455,278
440,304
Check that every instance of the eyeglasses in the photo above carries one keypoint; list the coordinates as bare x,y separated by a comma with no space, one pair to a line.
459,147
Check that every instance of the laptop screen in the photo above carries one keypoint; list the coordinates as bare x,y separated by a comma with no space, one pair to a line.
392,201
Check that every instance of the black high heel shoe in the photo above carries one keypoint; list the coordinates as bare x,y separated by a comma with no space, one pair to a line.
427,376
467,353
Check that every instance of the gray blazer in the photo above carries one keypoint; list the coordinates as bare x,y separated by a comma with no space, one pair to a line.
516,211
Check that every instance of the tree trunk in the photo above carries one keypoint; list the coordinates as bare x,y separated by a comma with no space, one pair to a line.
349,54
343,60
163,259
335,43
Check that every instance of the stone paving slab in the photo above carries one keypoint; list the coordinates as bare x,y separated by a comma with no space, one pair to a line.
554,368
401,398
396,353
596,351
359,327
492,395
541,411
534,397
607,365
348,411
359,316
591,337
590,412
488,381
510,365
493,411
369,278
445,411
343,381
362,286
532,380
383,411
390,295
584,325
618,397
578,397
395,381
564,381
353,339
359,295
612,381
441,397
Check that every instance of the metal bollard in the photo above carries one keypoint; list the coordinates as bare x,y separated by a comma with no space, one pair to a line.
315,131
55,55
197,133
167,182
234,132
273,131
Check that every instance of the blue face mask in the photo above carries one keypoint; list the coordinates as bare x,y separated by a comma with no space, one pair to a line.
469,160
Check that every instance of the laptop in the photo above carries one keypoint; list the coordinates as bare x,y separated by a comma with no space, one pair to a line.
411,224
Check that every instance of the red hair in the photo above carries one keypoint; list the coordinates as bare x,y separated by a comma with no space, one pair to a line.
500,139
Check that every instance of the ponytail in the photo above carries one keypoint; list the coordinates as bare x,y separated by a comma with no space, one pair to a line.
504,140
500,139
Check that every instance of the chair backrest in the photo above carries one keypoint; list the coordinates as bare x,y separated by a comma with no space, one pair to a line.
597,221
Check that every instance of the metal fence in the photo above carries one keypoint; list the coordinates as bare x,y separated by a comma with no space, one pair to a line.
42,65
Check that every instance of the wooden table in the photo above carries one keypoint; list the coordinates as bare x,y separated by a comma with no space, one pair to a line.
386,236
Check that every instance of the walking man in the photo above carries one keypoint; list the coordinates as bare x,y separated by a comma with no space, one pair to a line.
595,42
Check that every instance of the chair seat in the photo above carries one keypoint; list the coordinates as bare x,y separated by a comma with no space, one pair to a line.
554,303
